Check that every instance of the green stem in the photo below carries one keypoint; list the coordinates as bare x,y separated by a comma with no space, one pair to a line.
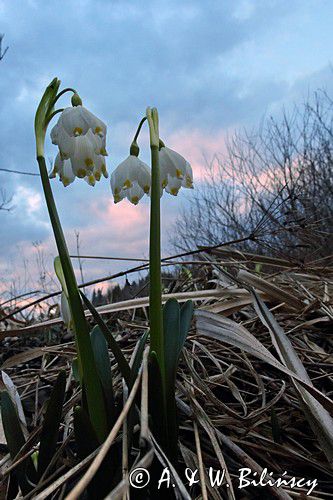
64,92
155,291
52,115
139,128
88,372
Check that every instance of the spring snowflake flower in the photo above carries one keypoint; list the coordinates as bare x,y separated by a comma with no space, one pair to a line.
132,178
81,139
171,163
175,171
132,175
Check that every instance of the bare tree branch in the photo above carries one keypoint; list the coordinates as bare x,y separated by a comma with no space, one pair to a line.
2,51
276,182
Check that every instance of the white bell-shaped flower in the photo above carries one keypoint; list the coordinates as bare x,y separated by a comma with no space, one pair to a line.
77,120
171,163
81,138
175,171
130,172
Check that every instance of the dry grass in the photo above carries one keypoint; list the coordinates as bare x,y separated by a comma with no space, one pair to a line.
236,409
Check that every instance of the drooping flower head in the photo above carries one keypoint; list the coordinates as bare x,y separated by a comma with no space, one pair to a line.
175,171
81,139
131,179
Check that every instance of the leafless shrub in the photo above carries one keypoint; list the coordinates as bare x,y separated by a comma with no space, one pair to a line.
276,182
2,51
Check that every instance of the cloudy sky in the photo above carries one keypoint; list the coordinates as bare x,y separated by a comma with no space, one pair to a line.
209,67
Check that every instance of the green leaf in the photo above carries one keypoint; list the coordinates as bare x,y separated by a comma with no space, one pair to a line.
51,424
176,324
75,370
172,347
60,274
25,471
109,472
85,436
120,358
103,366
186,314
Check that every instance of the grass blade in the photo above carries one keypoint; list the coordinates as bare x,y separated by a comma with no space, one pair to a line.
50,429
319,419
224,329
138,358
25,471
85,436
103,366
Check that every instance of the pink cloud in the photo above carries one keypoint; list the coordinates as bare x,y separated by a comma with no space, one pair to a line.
120,227
198,147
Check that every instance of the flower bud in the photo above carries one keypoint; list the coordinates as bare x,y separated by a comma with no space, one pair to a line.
134,149
76,100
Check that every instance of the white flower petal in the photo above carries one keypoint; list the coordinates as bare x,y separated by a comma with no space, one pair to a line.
65,143
96,125
66,173
57,167
100,168
173,185
171,163
143,176
54,134
129,171
72,120
83,157
135,193
119,196
90,179
187,181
